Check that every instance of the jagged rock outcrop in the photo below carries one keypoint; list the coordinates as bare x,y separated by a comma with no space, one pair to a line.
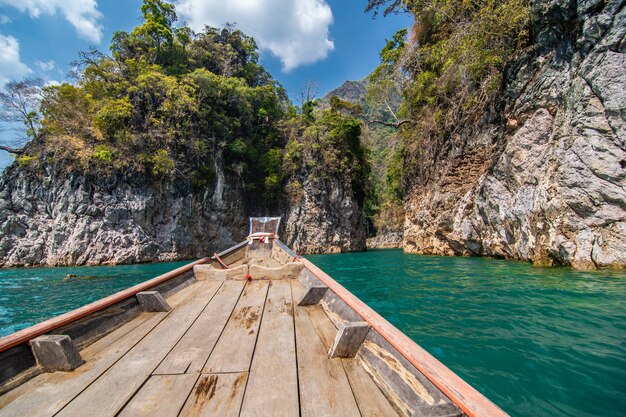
325,217
60,218
543,179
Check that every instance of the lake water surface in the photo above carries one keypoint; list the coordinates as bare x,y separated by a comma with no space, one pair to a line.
536,341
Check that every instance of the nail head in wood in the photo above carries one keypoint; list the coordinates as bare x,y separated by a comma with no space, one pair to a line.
349,339
313,295
56,352
152,301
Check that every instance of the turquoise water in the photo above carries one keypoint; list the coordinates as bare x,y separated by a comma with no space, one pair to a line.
536,341
31,295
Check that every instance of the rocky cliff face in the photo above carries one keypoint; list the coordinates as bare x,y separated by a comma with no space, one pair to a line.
325,218
61,218
543,177
58,218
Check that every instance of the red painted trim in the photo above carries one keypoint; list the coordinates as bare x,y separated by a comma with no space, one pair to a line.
47,326
470,401
216,256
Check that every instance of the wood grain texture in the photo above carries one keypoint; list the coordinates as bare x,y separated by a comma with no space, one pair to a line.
273,382
233,352
108,394
191,352
349,339
470,401
370,400
47,326
48,393
161,396
324,386
216,395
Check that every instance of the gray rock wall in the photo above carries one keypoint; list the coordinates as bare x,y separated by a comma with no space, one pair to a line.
326,218
65,219
547,183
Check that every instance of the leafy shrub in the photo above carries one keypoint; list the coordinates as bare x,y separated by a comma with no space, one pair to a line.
162,164
102,155
114,116
24,161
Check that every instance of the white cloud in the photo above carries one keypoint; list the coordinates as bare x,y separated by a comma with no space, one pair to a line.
296,31
46,66
4,19
82,14
11,67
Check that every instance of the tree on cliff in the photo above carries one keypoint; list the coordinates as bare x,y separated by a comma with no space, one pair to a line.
19,104
167,102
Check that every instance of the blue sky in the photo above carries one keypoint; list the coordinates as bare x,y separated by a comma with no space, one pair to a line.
324,41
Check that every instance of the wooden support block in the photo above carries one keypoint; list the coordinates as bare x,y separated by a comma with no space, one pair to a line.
313,295
56,352
152,301
349,338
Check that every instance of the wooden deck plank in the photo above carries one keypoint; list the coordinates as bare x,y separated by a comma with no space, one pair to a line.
324,386
370,399
233,352
48,393
273,382
88,355
216,395
191,353
108,394
161,396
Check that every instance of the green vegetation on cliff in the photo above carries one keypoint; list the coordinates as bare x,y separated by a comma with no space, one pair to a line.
449,66
168,102
171,103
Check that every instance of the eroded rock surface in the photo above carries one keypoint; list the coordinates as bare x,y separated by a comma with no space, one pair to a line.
543,181
67,219
326,218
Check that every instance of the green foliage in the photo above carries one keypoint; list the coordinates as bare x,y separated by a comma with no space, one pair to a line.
25,161
173,103
102,155
449,68
326,146
162,164
113,116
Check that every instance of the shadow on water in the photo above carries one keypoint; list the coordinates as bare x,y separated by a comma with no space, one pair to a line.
536,341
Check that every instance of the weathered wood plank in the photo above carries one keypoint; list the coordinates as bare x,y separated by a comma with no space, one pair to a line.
161,396
273,382
370,400
313,295
407,389
108,394
216,395
349,339
47,394
233,352
191,353
152,301
324,386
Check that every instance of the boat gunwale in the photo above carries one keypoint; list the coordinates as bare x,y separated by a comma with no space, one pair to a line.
466,397
22,336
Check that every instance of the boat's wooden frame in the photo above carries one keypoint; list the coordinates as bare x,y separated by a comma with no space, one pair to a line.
395,362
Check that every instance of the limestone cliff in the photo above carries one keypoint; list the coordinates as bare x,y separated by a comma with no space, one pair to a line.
325,218
61,218
543,177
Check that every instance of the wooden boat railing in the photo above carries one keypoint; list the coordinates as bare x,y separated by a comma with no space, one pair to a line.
467,398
